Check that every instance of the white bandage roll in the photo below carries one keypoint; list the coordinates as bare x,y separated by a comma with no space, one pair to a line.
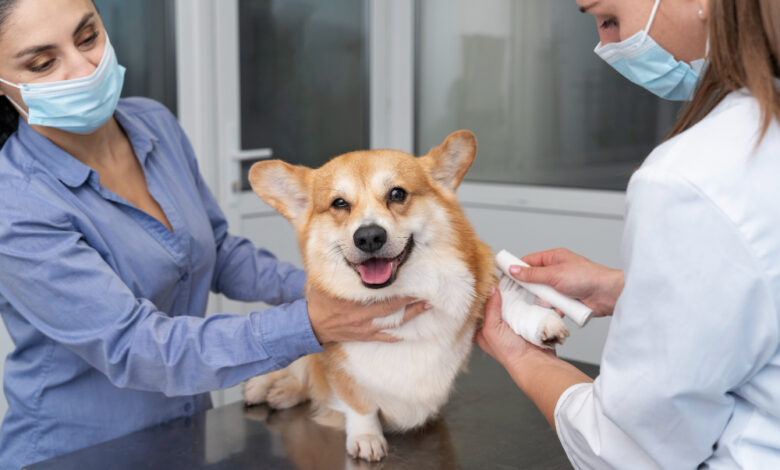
572,308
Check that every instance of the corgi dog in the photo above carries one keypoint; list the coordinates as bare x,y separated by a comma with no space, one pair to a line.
374,225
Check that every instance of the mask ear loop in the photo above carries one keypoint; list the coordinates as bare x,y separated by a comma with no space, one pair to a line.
650,21
16,105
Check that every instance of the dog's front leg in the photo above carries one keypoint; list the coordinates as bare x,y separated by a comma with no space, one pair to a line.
538,325
364,435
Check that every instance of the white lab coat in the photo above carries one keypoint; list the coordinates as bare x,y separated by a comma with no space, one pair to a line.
691,370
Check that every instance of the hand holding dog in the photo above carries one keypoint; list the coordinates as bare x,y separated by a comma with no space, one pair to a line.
337,320
571,274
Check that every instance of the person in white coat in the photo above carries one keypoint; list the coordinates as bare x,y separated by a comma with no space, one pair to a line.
690,374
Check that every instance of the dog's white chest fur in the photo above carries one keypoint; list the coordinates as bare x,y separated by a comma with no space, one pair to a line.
409,381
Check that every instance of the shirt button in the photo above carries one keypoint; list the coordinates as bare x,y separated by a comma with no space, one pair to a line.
188,407
185,276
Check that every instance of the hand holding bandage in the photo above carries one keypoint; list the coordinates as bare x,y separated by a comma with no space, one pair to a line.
573,309
560,276
573,275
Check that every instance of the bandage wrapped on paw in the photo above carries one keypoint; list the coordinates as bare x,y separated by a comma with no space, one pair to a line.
528,316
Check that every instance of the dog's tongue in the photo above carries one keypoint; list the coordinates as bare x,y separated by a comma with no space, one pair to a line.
376,271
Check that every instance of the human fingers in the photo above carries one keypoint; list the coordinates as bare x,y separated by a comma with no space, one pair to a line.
536,274
411,311
383,338
385,308
414,309
546,257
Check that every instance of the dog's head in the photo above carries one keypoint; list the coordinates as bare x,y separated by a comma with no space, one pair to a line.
369,222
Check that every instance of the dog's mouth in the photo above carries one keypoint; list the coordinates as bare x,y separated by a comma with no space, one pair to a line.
377,273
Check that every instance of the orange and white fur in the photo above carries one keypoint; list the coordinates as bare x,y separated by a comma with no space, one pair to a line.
374,225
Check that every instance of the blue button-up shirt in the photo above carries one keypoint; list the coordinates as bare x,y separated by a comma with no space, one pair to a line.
106,306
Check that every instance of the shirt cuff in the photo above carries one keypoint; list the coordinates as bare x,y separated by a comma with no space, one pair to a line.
565,395
298,279
285,331
560,423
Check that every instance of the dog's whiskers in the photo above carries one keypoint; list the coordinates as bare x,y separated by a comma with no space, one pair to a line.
335,249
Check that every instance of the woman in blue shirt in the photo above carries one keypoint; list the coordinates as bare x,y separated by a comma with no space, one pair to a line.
109,244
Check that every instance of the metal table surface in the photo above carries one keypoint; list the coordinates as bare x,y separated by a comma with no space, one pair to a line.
487,424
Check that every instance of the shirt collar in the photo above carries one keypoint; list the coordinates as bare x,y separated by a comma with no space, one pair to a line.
139,132
70,170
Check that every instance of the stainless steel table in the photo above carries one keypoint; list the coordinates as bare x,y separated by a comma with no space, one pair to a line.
487,424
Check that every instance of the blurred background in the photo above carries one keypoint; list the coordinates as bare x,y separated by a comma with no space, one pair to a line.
305,80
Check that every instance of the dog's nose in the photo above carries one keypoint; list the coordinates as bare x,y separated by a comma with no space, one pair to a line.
370,238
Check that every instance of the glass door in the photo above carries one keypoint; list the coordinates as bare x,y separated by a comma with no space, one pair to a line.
304,78
143,33
523,76
286,79
293,85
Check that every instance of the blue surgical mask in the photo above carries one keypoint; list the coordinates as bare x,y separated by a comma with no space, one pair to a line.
81,105
641,60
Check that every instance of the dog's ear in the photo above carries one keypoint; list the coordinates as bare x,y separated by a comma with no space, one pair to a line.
449,162
283,186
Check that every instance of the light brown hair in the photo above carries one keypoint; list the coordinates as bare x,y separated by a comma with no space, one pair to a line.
744,52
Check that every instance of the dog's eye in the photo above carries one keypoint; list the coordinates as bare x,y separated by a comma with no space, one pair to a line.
339,203
397,195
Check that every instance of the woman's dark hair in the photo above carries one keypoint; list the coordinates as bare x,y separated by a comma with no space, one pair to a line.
9,120
9,117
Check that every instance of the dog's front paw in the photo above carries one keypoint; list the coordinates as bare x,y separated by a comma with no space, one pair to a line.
285,393
256,389
371,447
554,330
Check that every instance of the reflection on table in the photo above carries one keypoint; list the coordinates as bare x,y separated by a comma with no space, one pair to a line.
488,423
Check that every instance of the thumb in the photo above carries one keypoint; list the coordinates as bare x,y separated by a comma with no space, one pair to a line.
493,309
536,274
